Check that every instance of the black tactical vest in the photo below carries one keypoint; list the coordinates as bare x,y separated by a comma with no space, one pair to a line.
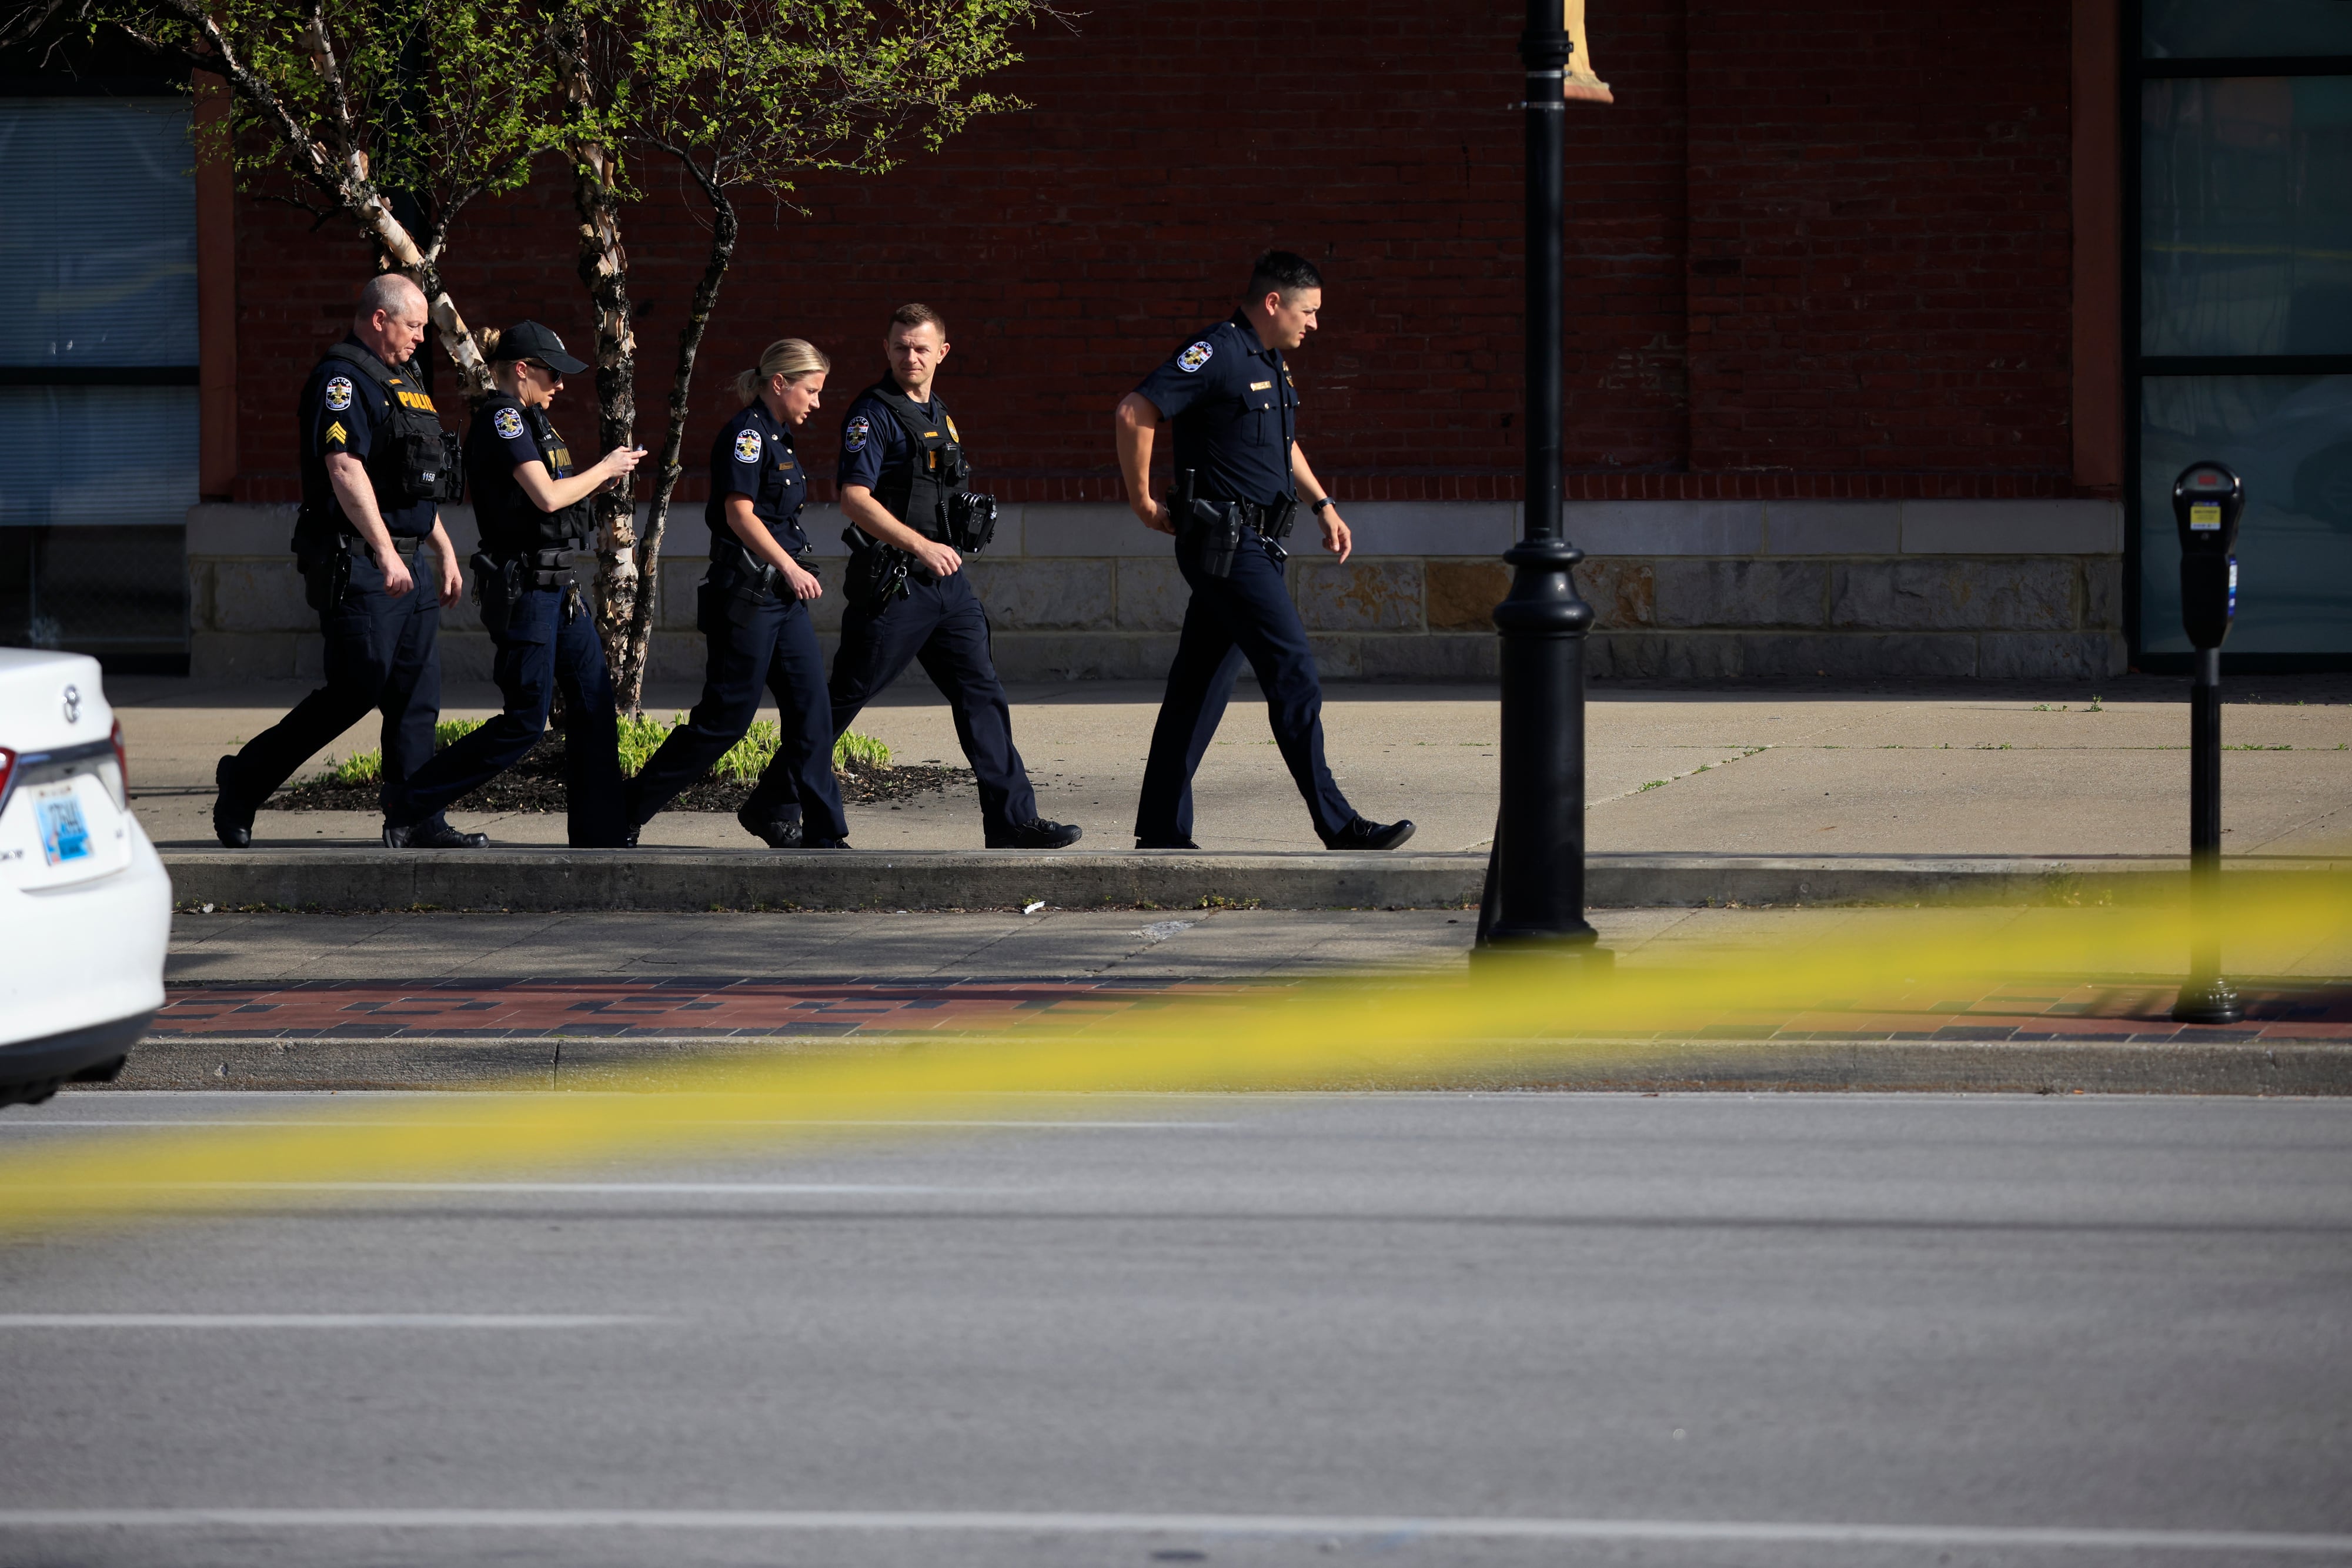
510,523
915,489
411,459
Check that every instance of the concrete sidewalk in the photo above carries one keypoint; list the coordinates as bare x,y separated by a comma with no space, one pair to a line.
2049,769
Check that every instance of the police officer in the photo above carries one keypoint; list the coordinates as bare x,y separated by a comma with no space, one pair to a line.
1239,475
535,513
753,607
375,465
901,473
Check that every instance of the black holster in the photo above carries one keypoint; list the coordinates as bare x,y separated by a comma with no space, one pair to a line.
878,572
757,583
1213,527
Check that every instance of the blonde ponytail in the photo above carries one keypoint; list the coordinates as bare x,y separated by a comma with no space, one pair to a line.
791,358
487,338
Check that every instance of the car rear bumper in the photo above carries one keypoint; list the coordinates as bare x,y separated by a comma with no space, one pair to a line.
63,1055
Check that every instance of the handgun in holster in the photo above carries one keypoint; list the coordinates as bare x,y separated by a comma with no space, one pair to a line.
1213,527
322,555
758,583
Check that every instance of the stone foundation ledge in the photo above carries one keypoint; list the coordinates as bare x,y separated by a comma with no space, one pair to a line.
1704,590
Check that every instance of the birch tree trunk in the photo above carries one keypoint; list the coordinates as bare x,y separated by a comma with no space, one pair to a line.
604,268
630,672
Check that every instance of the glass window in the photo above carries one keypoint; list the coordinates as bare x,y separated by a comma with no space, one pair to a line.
2289,438
2246,215
80,456
97,256
2191,29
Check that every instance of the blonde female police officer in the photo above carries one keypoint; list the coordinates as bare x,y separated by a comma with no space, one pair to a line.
534,512
753,607
1236,412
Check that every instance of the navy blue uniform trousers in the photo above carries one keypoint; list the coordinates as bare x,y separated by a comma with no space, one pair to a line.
380,654
540,650
941,625
770,640
1247,615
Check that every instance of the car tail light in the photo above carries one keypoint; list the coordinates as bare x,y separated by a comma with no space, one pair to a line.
122,765
7,774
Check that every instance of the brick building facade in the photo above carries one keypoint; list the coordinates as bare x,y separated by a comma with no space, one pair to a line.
1843,389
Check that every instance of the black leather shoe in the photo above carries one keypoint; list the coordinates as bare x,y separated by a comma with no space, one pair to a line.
431,836
1363,834
232,827
1040,834
779,833
1166,844
819,843
630,838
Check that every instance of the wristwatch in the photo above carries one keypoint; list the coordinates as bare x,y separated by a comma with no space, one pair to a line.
1318,504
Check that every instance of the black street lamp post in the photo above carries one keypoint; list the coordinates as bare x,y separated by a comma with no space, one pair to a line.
1535,876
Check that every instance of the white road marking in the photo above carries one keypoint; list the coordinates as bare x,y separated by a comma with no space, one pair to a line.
232,1122
698,1188
311,1320
1391,1528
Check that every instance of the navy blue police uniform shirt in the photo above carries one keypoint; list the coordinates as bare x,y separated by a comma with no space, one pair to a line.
1235,412
343,410
753,456
502,440
871,440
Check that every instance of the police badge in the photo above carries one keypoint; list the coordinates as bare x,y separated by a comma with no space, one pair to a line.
854,434
508,423
338,393
747,446
1194,358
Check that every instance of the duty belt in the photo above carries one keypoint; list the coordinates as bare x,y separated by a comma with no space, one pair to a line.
544,569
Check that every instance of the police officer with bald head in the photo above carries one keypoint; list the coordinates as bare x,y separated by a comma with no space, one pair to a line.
375,467
1239,477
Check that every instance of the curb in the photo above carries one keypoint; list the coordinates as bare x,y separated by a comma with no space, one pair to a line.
586,1063
536,879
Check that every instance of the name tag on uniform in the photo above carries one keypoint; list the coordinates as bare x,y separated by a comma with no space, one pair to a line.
1261,386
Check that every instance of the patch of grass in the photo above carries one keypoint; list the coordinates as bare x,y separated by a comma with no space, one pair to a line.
1653,784
860,751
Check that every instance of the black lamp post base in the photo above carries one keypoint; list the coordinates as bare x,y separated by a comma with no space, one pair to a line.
1573,952
2208,1002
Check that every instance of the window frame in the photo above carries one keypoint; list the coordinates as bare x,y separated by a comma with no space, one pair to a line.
2137,367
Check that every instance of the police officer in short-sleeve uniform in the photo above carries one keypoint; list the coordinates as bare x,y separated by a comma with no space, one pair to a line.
363,574
902,463
760,633
1229,392
535,514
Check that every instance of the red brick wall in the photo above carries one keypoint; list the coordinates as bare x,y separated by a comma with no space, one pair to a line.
1815,248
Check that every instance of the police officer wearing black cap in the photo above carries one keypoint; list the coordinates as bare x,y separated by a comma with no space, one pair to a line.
753,607
1239,473
375,467
535,514
904,485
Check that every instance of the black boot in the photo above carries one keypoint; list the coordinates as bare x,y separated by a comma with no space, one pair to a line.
232,823
1039,834
776,833
435,834
1363,834
1166,844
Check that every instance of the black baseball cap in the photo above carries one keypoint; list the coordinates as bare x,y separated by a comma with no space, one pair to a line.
529,340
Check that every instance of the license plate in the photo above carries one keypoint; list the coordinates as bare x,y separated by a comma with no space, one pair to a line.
64,835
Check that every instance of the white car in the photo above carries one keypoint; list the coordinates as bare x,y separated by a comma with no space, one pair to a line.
84,904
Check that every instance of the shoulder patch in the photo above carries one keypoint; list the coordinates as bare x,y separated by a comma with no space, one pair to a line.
856,433
1194,358
508,423
338,393
747,446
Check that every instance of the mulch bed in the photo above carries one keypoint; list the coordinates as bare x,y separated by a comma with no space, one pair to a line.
536,784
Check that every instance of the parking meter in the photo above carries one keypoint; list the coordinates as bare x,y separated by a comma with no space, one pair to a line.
2207,502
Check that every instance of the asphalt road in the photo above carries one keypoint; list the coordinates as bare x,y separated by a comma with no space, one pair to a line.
1777,1332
